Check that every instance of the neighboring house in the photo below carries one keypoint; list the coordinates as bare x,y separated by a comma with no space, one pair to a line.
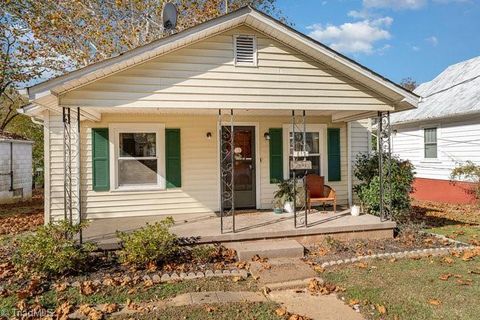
15,168
150,125
444,131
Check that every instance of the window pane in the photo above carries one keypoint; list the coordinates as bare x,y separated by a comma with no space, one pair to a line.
132,172
137,145
312,142
430,135
430,151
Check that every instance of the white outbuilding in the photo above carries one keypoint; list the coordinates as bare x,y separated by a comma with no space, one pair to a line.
15,168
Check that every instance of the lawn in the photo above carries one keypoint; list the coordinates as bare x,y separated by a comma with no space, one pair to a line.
260,311
461,232
427,288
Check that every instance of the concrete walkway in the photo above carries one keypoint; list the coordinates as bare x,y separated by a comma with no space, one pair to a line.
327,307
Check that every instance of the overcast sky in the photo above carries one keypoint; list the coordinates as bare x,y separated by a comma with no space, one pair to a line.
397,38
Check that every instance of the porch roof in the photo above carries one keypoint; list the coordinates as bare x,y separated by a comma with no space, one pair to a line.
46,94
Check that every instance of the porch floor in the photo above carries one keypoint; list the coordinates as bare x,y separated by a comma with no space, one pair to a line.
249,226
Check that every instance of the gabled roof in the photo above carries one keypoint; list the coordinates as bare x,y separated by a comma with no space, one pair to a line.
454,92
45,93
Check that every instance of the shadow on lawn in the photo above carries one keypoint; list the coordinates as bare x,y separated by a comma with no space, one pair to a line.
431,216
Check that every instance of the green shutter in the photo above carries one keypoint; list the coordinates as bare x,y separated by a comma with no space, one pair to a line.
333,145
276,154
172,158
101,169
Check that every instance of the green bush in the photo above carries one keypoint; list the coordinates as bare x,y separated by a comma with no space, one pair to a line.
52,250
368,190
151,244
468,171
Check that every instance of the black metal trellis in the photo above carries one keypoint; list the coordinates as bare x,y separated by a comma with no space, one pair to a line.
227,171
71,158
298,150
384,164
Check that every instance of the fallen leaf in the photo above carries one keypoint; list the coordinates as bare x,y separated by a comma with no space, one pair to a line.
381,309
448,260
87,288
266,290
210,309
361,265
465,282
281,311
445,276
60,287
237,279
319,269
110,308
352,302
434,302
148,283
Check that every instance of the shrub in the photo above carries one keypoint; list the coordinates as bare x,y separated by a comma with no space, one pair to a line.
151,244
468,171
53,250
368,190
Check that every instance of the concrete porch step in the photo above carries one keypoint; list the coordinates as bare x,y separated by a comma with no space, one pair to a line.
275,248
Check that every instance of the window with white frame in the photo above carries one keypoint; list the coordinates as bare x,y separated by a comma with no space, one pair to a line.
138,150
315,147
430,143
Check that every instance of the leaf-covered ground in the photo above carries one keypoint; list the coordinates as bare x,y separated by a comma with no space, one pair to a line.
427,288
435,214
20,217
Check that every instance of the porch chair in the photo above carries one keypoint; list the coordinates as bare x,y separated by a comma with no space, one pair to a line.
319,192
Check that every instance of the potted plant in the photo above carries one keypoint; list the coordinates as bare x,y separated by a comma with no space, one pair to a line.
285,194
277,206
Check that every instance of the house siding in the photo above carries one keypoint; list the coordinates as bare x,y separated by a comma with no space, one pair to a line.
457,142
199,193
203,75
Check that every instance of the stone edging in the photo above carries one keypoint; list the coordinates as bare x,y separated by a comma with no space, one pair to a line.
198,275
409,253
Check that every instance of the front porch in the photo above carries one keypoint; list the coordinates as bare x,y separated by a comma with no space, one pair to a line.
257,225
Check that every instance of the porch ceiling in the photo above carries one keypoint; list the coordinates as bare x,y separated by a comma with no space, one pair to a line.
337,116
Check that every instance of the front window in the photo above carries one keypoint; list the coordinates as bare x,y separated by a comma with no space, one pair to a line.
310,153
137,159
430,143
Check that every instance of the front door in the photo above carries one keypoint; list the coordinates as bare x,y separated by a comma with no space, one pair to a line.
243,165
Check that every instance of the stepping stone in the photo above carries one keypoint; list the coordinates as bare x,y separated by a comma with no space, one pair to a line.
281,248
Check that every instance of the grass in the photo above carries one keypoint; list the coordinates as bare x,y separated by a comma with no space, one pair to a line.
243,311
406,288
138,293
460,232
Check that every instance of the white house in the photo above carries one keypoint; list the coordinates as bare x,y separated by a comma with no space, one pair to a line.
444,131
15,168
158,123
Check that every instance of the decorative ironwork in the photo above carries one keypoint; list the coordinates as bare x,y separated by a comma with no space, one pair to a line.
67,165
72,166
298,154
227,172
384,164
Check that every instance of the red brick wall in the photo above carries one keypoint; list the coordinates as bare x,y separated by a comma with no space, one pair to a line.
443,191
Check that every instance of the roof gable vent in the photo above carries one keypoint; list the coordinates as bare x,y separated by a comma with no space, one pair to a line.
245,50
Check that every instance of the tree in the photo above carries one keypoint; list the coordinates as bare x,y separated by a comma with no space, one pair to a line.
86,31
409,84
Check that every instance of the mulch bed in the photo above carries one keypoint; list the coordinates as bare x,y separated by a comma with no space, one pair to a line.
332,249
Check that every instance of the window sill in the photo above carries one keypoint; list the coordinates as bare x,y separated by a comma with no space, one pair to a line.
430,161
139,189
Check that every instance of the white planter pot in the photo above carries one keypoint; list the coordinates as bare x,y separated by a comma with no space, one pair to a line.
288,206
355,211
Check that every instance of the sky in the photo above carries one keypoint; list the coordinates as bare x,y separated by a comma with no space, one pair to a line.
396,38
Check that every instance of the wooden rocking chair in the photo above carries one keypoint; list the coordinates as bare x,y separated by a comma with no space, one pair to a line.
319,192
